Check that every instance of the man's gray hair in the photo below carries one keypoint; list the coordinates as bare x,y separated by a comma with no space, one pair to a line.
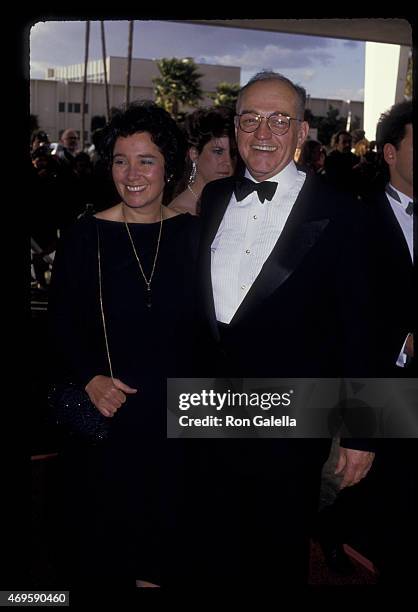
269,75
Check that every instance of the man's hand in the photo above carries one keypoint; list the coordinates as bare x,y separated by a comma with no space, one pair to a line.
107,394
409,345
353,465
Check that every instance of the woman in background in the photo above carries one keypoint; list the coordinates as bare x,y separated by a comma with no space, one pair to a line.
312,157
211,154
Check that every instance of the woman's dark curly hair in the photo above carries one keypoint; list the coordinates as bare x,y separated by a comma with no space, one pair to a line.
206,123
146,116
199,127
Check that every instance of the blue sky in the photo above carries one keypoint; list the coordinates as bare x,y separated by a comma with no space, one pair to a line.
326,67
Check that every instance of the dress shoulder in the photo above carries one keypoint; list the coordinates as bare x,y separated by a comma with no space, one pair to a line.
79,237
190,232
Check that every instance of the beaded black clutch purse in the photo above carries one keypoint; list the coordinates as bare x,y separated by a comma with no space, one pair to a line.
74,411
69,401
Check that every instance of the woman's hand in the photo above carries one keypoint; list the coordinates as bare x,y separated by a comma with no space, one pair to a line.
108,394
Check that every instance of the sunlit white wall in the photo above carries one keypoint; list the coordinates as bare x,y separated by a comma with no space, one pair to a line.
384,81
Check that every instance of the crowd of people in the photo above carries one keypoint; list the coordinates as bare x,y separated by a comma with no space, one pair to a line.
68,182
213,253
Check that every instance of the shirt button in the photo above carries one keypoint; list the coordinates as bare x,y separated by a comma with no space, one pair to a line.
255,217
248,251
243,286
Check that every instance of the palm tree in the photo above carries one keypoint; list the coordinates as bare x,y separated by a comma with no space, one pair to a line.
178,84
409,77
226,94
105,69
83,104
128,69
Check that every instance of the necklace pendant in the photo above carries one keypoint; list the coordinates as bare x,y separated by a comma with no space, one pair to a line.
148,297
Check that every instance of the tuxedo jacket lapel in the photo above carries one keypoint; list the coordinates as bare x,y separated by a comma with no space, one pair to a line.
299,235
212,217
393,231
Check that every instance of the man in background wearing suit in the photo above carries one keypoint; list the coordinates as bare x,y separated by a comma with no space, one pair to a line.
392,221
284,292
392,491
379,516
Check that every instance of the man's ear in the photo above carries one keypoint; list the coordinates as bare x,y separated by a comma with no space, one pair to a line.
302,133
389,154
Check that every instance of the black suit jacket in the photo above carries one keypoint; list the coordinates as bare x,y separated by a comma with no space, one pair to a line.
394,282
309,312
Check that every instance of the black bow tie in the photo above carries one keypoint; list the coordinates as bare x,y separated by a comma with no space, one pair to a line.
395,195
245,186
410,208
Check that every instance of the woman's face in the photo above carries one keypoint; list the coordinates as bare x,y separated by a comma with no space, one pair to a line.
138,171
215,161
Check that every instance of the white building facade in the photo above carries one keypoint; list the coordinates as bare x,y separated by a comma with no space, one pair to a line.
56,100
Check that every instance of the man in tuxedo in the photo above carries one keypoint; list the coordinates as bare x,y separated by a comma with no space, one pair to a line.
391,215
284,292
394,485
377,516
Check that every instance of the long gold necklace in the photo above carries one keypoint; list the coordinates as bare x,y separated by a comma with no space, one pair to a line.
148,294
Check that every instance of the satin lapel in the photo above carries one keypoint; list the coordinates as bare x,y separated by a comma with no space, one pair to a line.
299,235
393,231
215,205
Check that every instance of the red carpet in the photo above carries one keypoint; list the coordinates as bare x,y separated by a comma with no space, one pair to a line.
321,575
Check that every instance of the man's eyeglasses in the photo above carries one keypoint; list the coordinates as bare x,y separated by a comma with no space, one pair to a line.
279,124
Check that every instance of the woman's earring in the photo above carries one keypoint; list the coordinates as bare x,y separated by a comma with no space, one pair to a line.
193,173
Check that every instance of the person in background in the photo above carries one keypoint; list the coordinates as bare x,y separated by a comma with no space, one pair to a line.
381,512
211,154
67,148
395,487
44,210
356,136
104,193
365,171
392,218
312,157
361,147
39,138
340,162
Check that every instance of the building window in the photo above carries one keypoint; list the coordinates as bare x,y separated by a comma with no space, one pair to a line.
61,107
86,108
77,107
70,107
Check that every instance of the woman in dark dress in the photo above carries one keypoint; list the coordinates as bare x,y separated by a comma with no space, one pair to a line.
122,496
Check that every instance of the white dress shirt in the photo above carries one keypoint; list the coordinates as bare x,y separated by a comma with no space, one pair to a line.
406,223
404,220
246,237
